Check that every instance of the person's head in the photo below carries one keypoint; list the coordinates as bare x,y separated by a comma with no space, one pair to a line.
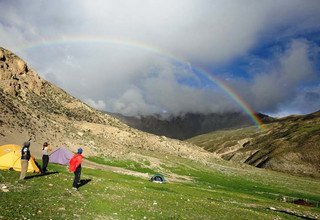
26,144
79,151
45,144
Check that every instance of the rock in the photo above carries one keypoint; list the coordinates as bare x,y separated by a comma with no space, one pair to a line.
20,65
244,142
2,57
80,133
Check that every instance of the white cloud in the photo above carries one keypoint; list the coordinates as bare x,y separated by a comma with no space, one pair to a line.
277,82
286,72
100,104
133,79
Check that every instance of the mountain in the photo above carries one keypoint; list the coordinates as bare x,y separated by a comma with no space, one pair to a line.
33,107
190,124
115,185
291,144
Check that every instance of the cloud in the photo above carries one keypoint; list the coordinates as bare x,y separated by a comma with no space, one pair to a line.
304,102
278,81
139,75
200,31
100,104
287,71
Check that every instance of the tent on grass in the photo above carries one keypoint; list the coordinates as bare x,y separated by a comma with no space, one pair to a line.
61,156
158,178
10,158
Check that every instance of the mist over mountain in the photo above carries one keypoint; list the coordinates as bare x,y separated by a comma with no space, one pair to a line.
190,124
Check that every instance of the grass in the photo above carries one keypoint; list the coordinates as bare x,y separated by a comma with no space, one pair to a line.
219,191
127,164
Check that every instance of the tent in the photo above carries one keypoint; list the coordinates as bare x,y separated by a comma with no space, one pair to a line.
10,158
158,178
61,156
8,148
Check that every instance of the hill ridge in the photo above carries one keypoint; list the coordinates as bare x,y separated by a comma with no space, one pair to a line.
290,144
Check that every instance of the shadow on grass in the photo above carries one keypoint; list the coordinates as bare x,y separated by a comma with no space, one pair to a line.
160,189
293,214
83,182
40,175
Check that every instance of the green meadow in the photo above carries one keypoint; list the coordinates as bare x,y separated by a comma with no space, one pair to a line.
217,190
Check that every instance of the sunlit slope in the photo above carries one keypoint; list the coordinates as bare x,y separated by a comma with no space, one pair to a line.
290,145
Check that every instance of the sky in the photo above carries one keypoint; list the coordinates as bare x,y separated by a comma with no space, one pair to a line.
172,57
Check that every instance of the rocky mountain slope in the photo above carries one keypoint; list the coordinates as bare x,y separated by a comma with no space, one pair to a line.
291,144
189,125
33,107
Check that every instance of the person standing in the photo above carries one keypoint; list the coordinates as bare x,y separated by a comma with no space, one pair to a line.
45,157
25,157
75,167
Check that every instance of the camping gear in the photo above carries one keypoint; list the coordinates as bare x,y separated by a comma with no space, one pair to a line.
158,178
10,158
60,156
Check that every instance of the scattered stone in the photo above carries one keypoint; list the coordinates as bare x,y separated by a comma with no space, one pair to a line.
80,134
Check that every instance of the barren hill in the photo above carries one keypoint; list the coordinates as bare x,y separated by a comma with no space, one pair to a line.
291,144
33,107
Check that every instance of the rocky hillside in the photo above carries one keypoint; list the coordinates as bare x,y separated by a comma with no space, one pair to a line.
33,107
291,144
189,125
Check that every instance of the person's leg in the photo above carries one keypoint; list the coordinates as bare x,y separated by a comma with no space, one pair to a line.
77,174
24,168
42,167
45,161
79,177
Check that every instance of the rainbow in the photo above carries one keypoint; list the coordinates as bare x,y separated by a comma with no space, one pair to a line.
152,49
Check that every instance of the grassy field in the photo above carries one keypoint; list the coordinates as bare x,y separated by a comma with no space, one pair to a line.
220,190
